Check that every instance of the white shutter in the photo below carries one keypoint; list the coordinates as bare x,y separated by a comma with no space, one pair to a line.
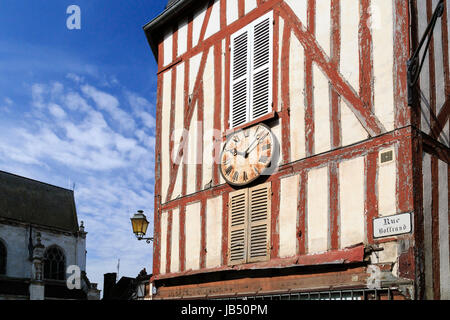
261,67
251,71
259,223
237,226
240,71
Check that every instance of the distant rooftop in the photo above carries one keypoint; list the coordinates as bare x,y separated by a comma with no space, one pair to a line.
30,201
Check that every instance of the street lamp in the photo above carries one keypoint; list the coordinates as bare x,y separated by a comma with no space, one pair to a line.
140,224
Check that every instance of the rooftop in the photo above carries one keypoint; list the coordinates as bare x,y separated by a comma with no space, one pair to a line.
30,201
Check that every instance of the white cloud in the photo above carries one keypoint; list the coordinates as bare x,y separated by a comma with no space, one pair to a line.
110,104
77,134
56,111
141,108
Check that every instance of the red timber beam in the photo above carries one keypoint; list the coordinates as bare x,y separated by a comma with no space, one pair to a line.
241,8
285,109
441,120
335,116
333,182
435,227
157,203
416,114
301,225
401,56
203,234
225,199
419,247
365,116
182,238
366,77
349,255
217,138
309,91
169,241
371,201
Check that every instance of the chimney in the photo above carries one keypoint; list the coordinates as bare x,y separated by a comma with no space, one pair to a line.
109,281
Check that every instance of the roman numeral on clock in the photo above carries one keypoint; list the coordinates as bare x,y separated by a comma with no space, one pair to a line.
228,170
245,178
266,147
236,176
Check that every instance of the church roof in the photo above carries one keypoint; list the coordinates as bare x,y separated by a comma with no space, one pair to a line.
29,201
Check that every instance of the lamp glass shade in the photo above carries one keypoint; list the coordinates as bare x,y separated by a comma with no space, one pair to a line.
140,224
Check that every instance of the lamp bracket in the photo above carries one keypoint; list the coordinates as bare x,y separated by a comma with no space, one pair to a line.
415,64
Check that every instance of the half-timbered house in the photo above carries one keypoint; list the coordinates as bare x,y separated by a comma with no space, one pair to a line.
295,156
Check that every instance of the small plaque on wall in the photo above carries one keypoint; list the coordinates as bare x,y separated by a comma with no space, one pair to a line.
392,225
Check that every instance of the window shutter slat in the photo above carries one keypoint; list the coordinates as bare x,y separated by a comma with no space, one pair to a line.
261,68
259,223
237,226
240,69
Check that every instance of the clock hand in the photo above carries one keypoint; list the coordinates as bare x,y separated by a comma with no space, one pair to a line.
246,151
259,139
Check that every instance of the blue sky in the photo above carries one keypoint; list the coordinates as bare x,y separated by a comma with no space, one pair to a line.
78,107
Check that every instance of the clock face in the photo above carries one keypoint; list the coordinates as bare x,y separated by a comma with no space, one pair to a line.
246,155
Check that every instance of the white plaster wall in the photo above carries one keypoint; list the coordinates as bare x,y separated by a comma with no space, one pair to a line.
250,5
351,201
163,246
425,74
297,99
232,11
351,128
445,137
427,215
208,116
168,43
175,242
323,25
387,177
182,36
321,112
165,134
317,210
383,61
214,20
222,110
199,17
300,7
288,219
178,126
194,65
349,43
444,258
193,236
16,239
192,152
214,232
439,63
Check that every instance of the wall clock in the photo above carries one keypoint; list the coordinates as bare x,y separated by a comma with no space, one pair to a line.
247,155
